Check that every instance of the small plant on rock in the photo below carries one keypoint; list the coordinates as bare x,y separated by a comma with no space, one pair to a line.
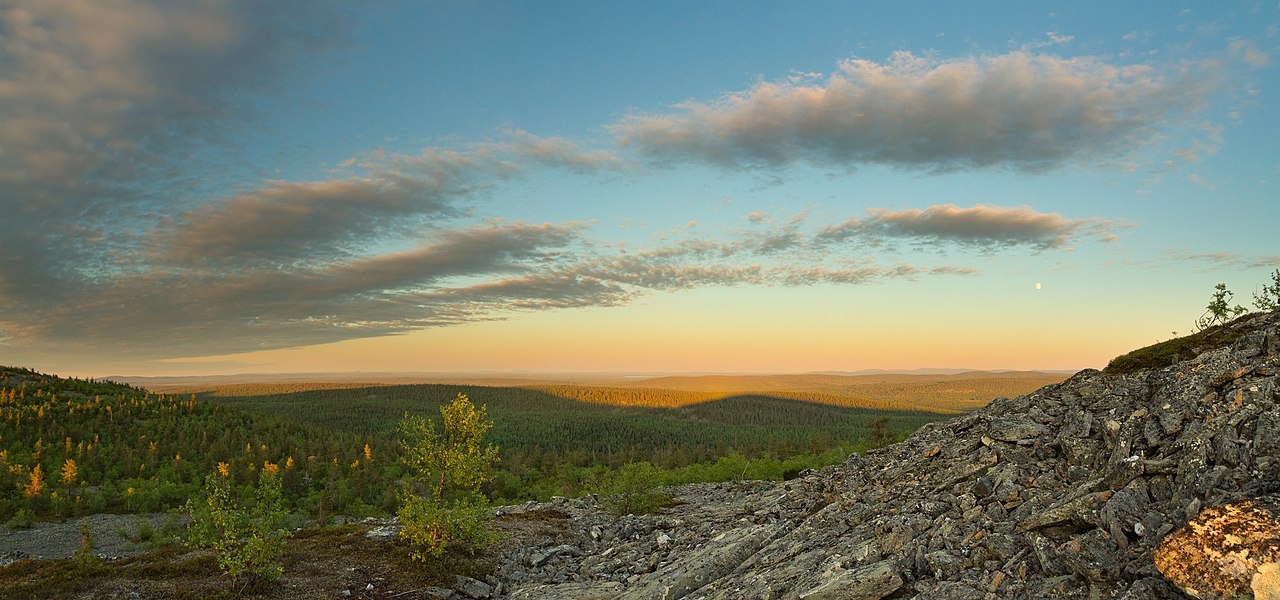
1219,310
1269,299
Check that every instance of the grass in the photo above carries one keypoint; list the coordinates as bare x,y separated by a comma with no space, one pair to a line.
1169,352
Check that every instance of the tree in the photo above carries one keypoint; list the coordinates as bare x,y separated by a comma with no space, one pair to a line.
1219,310
447,466
69,472
880,435
1269,299
36,485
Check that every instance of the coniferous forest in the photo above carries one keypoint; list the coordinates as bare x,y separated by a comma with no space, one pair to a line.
72,447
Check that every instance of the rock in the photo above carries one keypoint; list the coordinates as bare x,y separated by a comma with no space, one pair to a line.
472,588
383,532
1228,551
609,590
12,556
1066,492
951,590
541,558
713,561
871,582
1092,557
1081,510
436,593
1017,430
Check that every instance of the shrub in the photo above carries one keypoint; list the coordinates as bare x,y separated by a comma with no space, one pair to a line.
23,519
247,541
632,489
441,505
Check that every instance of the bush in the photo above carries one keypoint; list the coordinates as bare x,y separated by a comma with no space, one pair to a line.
23,519
245,540
430,527
632,489
441,505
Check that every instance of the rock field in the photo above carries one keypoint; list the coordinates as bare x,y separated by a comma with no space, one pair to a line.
1063,493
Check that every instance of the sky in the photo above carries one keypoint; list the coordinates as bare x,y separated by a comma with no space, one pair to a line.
630,187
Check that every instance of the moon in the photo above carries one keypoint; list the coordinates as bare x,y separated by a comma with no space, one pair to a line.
1037,285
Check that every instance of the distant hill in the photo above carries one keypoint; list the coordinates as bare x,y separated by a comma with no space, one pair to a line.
951,392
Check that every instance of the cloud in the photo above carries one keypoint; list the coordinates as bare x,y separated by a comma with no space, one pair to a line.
240,301
1249,53
1052,38
1226,260
311,221
982,226
231,310
552,151
103,103
97,91
1019,111
285,222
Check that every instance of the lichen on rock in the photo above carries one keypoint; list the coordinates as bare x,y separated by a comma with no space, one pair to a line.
1227,551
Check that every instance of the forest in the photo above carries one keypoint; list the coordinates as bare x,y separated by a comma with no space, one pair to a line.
71,447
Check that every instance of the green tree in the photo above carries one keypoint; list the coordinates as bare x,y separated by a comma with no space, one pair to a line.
1269,299
442,506
1219,310
880,435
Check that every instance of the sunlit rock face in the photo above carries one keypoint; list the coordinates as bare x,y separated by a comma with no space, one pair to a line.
1078,490
1228,551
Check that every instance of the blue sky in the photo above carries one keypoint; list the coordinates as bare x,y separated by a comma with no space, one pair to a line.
604,186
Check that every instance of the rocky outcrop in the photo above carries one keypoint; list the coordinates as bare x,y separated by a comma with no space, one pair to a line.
1227,551
1062,493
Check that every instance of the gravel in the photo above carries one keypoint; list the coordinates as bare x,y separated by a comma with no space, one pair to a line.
110,533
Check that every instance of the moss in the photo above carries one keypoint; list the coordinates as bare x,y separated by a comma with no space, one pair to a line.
1163,354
